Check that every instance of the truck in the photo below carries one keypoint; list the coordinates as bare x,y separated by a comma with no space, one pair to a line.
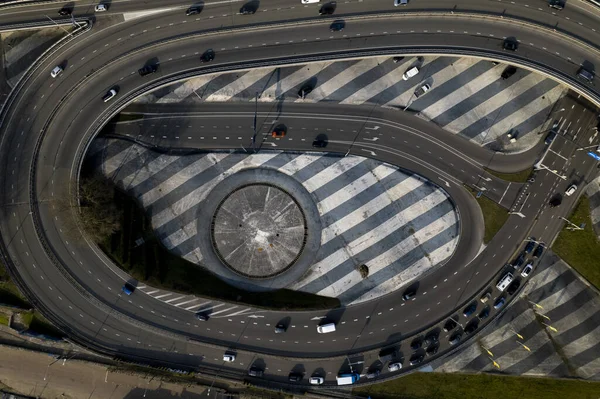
347,379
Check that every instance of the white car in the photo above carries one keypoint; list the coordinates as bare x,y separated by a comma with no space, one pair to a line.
572,188
109,96
316,380
400,3
228,357
101,7
310,1
394,366
56,71
527,270
410,73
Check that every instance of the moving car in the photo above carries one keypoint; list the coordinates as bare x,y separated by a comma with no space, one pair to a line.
557,4
409,294
455,338
247,9
394,366
527,270
56,71
101,7
147,70
208,55
128,289
539,251
337,26
555,201
65,11
280,328
510,44
315,380
508,72
192,11
201,316
484,313
109,95
572,188
326,328
469,310
499,302
310,1
550,137
278,134
400,3
585,74
449,325
228,357
432,337
513,287
416,359
326,9
410,73
397,59
319,143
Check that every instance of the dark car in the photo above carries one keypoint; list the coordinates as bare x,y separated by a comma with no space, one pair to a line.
409,294
247,9
128,289
450,325
550,137
208,55
432,349
147,70
586,74
484,313
416,358
65,11
319,143
432,337
397,59
519,261
295,377
201,316
554,201
304,90
373,373
508,72
557,4
469,310
472,326
387,354
539,251
510,44
455,338
326,9
255,372
513,287
499,302
193,11
530,245
337,26
416,343
280,328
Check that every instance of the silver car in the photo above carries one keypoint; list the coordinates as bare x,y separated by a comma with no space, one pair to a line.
400,3
394,366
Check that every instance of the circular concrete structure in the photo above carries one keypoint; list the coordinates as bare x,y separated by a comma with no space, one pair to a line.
259,230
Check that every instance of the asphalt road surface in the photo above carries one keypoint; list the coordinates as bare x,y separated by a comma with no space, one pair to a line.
51,122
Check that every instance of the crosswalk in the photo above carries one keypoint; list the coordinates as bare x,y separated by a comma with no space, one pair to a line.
467,97
371,213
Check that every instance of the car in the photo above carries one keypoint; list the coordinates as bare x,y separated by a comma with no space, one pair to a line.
527,270
486,295
397,59
513,287
572,188
228,357
455,338
201,317
450,325
432,349
326,9
530,245
400,3
409,294
295,377
472,326
500,301
319,143
394,367
539,251
280,328
422,90
506,279
520,260
373,373
485,312
337,26
208,55
315,380
147,70
416,359
247,9
469,310
557,4
410,73
255,372
101,7
310,1
387,354
508,72
109,95
432,337
550,137
192,11
128,289
416,343
585,74
554,201
280,133
510,44
56,71
65,11
304,90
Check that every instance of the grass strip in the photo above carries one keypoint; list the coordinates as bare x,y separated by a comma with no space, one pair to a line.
494,216
3,319
580,248
518,177
479,386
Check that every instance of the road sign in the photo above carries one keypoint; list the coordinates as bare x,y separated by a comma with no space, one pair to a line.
594,155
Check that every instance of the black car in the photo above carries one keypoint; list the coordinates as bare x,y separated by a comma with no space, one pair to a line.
193,11
499,303
519,261
255,372
539,251
337,26
510,44
295,377
201,317
416,343
147,70
508,72
208,55
484,313
247,9
455,338
472,326
449,325
554,201
432,349
319,143
416,358
409,294
530,245
280,328
304,90
326,9
469,310
513,287
65,11
432,337
550,137
557,4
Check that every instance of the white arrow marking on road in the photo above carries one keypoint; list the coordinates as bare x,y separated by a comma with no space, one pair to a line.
372,128
485,178
272,144
318,317
480,188
373,139
370,152
447,184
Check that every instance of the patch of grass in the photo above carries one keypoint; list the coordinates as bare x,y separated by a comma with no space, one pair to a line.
580,248
3,319
519,177
494,216
154,265
479,386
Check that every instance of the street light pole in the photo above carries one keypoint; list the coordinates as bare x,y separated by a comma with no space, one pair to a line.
572,226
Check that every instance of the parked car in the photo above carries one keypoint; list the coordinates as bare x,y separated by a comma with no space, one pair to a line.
373,373
432,349
513,287
295,377
449,325
455,338
486,295
316,380
304,90
410,73
416,343
319,143
422,90
229,357
499,302
472,326
520,260
530,245
255,372
101,7
387,355
538,251
394,367
527,270
572,188
416,359
470,309
202,316
485,312
550,137
397,59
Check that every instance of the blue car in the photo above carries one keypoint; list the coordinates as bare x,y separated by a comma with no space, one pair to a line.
529,247
127,289
469,310
499,303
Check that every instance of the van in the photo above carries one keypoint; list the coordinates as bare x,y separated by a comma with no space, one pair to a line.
585,74
326,328
504,281
410,73
347,379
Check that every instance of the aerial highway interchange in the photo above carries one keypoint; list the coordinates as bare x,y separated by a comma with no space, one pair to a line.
48,124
